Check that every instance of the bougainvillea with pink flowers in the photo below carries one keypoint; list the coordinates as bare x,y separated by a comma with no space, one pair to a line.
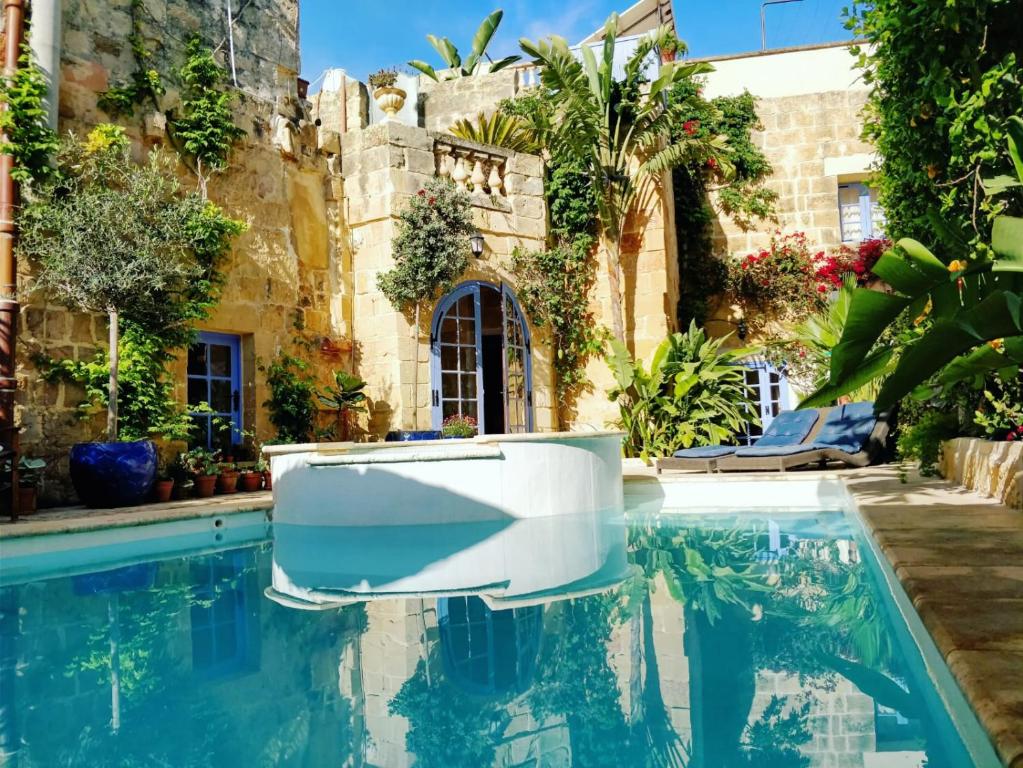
779,281
831,270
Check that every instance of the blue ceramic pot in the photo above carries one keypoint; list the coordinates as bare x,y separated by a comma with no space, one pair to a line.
113,474
410,435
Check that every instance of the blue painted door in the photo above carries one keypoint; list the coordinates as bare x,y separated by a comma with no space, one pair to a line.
214,378
458,358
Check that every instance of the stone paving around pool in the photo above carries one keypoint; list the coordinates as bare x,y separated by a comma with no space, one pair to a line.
959,556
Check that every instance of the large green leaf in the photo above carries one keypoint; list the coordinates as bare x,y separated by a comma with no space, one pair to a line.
425,68
447,50
923,259
621,364
902,274
507,61
875,366
982,360
1007,242
1015,131
484,34
870,313
996,317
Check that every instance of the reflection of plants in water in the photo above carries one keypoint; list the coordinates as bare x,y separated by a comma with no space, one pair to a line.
705,568
447,728
772,740
576,681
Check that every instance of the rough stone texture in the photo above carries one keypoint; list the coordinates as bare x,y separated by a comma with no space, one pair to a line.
991,468
442,104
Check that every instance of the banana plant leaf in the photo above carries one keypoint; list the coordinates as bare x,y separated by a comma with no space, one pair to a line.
1007,242
870,313
982,360
877,364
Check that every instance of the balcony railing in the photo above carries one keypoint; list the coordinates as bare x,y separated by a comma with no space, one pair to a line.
473,167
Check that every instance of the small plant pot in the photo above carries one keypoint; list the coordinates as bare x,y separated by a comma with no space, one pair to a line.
182,490
205,485
250,481
27,498
667,57
267,480
162,491
227,482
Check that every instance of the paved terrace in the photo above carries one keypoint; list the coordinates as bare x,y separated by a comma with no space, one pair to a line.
958,555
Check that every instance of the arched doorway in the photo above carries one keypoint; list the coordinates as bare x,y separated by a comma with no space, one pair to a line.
481,359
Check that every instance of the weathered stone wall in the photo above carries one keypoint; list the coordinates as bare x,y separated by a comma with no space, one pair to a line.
382,167
285,278
991,468
442,103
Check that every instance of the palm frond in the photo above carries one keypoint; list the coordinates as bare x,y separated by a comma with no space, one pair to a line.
498,130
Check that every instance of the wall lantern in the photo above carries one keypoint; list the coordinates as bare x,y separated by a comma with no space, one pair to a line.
476,243
743,330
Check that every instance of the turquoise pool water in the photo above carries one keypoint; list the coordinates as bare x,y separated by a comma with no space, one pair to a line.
754,640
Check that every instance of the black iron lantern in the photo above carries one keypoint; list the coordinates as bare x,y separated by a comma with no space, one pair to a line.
476,243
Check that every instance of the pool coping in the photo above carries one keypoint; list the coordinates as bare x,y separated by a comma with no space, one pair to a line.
958,556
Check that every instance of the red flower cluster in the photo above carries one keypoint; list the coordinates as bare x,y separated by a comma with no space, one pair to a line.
712,162
832,270
1016,433
780,277
691,127
456,418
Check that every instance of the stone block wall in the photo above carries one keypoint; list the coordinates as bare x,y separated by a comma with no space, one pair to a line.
994,469
443,103
285,275
383,165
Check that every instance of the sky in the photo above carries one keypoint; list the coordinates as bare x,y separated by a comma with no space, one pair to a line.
363,36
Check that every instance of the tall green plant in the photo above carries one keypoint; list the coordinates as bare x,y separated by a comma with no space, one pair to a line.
430,250
693,393
291,406
114,237
620,130
345,397
27,136
474,61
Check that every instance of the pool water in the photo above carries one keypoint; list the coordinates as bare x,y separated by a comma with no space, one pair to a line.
727,641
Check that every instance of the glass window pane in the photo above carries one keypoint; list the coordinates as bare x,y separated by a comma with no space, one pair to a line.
466,307
467,331
449,385
468,358
468,386
201,432
449,330
220,395
849,210
448,357
197,391
469,408
220,360
450,408
197,360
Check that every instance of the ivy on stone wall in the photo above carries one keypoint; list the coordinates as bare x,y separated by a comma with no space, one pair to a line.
28,138
554,284
743,198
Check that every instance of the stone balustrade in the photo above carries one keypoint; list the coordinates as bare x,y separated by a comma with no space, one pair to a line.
527,75
473,167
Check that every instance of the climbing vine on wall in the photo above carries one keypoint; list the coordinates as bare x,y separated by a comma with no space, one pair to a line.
554,284
28,138
743,198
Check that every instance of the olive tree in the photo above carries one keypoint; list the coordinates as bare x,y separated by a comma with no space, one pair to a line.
113,236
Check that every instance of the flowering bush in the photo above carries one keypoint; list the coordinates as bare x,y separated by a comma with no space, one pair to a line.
779,280
459,426
832,270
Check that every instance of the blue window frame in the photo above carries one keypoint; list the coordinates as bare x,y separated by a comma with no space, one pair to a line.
218,622
460,352
770,397
214,378
860,215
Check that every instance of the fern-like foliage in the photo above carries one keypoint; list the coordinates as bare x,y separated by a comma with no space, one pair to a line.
498,130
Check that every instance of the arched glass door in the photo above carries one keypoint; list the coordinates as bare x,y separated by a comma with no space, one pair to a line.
481,363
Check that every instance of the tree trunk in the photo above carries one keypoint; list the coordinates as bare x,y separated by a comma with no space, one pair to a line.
415,371
614,283
112,390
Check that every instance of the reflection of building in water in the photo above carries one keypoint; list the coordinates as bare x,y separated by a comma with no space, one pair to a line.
489,655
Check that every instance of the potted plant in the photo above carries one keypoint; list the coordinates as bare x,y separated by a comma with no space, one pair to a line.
201,465
263,468
29,472
345,398
458,426
250,480
164,485
388,97
670,47
113,237
227,478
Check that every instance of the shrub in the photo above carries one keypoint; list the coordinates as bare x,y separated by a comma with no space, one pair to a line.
693,393
459,426
778,281
859,263
291,398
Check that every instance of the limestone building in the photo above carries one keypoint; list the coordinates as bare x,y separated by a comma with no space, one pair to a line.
319,180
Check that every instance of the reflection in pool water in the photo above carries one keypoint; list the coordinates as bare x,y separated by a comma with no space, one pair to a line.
728,642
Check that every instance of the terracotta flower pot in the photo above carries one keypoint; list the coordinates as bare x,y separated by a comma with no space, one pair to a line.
250,481
205,485
227,482
267,480
162,490
27,499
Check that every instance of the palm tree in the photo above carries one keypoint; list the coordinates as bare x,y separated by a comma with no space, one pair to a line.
619,128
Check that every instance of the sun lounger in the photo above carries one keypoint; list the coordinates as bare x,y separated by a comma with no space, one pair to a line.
851,434
788,428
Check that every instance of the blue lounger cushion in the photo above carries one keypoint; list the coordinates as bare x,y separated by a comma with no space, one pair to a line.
846,428
788,428
849,430
706,452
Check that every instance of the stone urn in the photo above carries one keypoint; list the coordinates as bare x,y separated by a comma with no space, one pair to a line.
390,100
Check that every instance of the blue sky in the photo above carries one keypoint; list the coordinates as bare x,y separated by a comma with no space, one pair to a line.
370,34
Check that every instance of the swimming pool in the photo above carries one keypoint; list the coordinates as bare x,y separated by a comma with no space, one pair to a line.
766,638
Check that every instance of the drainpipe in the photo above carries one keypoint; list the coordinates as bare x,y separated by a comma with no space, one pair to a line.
45,42
14,17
